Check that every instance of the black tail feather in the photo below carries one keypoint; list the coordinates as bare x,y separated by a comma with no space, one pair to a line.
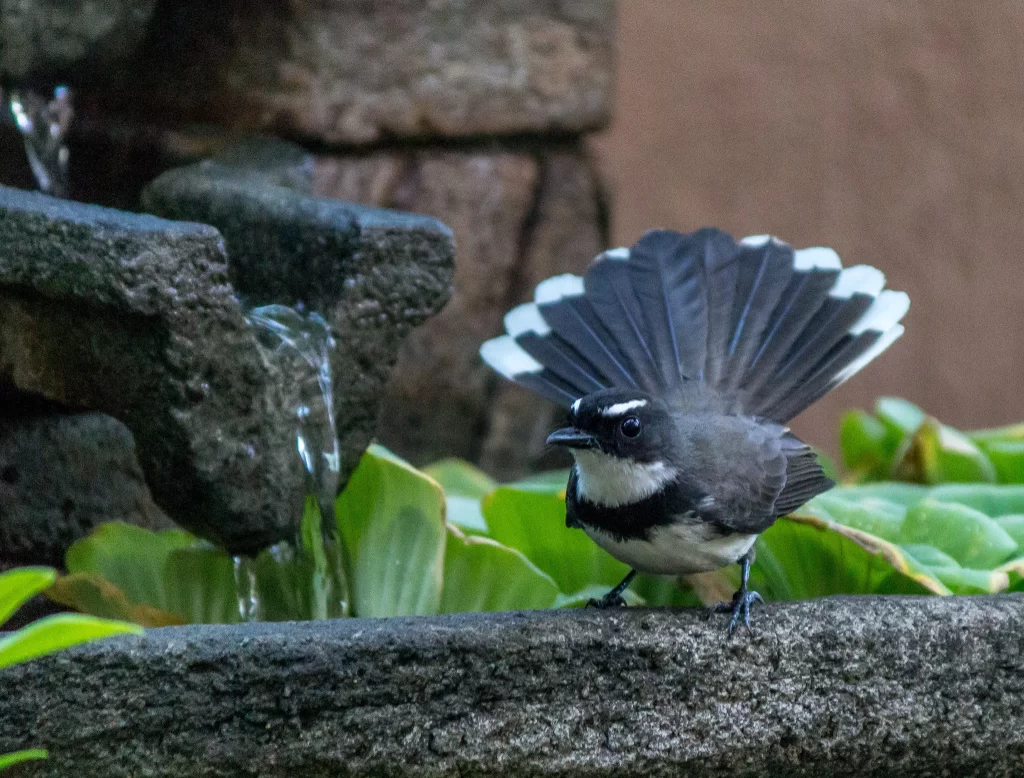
766,329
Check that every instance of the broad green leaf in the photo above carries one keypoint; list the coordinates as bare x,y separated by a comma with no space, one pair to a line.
550,482
391,519
54,633
866,444
969,536
1013,525
663,592
464,487
942,454
990,500
901,417
199,584
9,760
457,476
929,556
800,557
91,593
533,522
1008,434
875,515
179,579
889,491
480,574
1007,457
130,557
466,513
21,584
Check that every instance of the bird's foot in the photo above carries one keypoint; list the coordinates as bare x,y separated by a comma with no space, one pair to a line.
613,599
739,608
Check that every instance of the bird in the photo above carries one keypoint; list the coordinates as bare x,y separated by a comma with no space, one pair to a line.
680,361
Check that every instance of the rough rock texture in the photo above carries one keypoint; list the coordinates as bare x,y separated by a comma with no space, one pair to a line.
373,274
133,316
63,474
518,216
840,687
358,72
50,38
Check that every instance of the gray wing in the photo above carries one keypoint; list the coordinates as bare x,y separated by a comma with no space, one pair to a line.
758,472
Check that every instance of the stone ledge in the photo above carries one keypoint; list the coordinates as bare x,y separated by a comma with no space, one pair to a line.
840,686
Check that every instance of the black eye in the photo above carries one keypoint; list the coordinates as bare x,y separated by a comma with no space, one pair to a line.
630,426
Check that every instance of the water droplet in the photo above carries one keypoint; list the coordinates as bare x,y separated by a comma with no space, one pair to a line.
44,126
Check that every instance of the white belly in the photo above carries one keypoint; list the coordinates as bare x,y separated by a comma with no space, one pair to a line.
678,549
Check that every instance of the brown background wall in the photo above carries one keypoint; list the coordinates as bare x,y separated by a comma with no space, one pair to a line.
892,131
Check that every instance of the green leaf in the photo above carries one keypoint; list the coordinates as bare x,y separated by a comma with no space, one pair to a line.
1013,525
92,594
945,455
865,444
391,519
9,760
480,574
880,517
663,592
54,633
550,482
457,476
990,500
130,557
21,584
533,522
464,487
969,536
900,417
1007,457
800,557
888,491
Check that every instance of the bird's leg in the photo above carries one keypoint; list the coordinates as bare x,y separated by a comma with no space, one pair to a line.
742,600
614,597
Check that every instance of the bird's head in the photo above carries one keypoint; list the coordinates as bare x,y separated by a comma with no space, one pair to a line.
623,444
623,423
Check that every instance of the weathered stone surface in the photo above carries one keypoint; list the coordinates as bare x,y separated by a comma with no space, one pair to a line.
133,316
52,37
61,475
373,274
359,72
518,217
840,687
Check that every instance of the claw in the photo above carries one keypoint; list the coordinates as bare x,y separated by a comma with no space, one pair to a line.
739,608
611,600
614,598
741,601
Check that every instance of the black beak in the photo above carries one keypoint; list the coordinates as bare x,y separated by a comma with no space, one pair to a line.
570,437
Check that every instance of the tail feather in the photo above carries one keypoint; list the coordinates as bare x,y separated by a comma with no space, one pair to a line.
671,290
573,318
769,329
768,266
616,305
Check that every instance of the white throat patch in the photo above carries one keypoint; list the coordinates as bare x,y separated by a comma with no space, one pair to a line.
611,481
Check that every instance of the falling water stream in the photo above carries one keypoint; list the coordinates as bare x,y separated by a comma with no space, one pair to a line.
307,338
44,126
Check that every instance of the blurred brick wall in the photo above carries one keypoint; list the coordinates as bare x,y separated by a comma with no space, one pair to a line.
892,131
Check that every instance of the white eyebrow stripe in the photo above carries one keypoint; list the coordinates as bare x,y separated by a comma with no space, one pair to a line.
620,408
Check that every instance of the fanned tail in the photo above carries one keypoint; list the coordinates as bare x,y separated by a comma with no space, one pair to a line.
769,329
